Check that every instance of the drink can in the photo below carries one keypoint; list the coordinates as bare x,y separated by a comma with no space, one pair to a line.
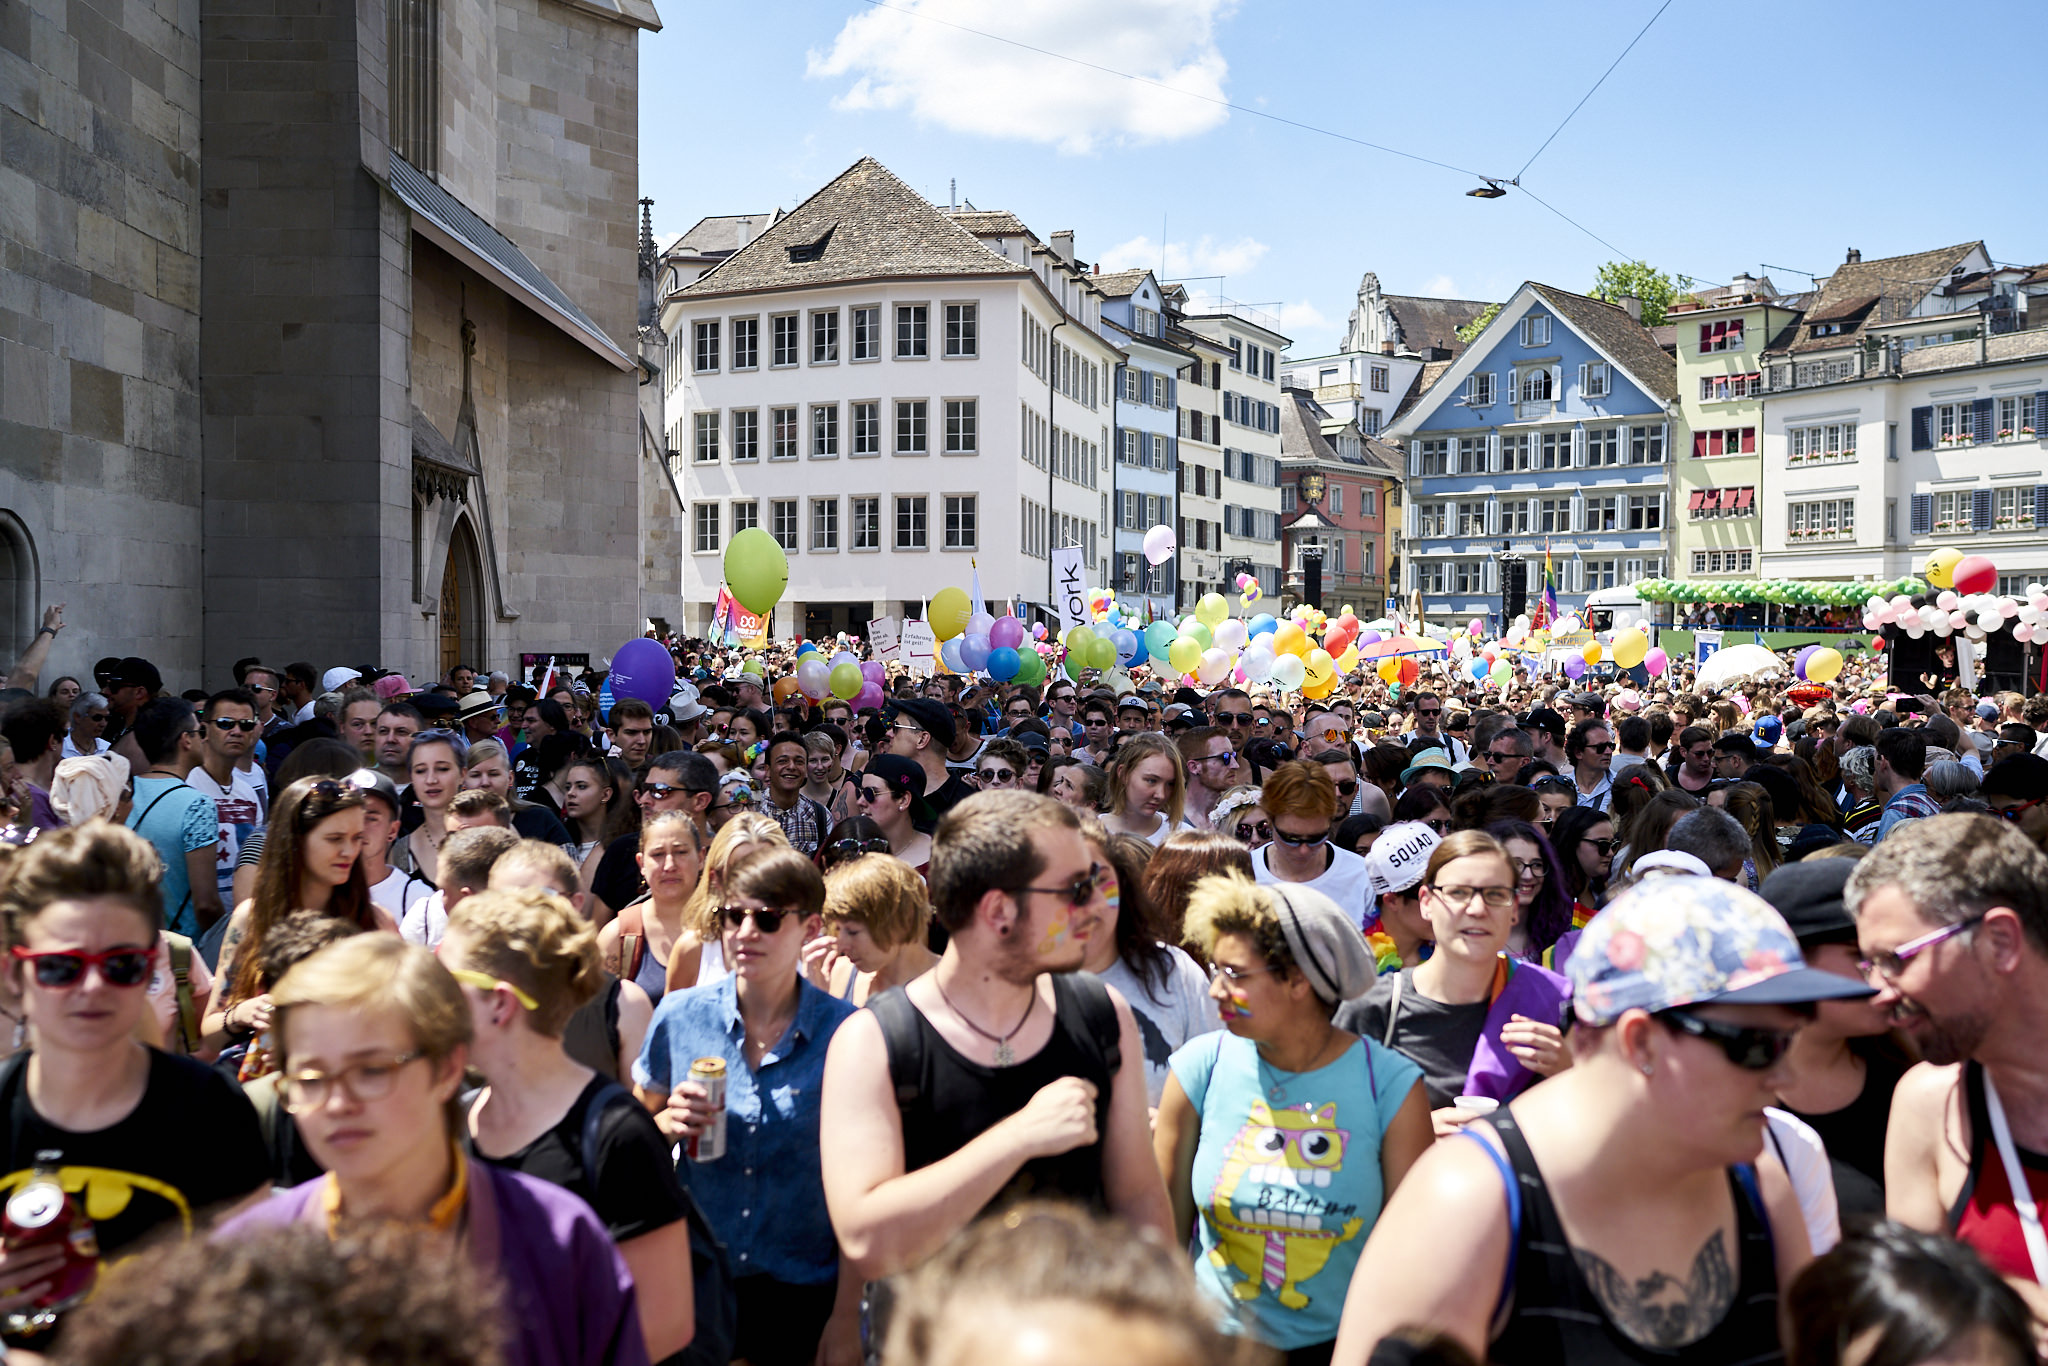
709,1145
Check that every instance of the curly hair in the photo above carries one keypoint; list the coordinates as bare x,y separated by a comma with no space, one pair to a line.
536,941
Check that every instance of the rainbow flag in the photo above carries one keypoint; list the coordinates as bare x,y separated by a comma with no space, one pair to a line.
1546,605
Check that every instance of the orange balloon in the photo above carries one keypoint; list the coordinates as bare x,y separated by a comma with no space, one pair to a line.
1410,671
784,689
1290,639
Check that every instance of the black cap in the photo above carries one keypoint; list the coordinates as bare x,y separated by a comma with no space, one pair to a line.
436,706
137,672
2024,776
935,717
904,777
1544,719
1809,896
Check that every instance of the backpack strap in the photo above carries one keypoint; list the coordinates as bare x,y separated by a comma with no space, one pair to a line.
632,942
1514,1194
608,1095
903,1038
188,1009
1099,1032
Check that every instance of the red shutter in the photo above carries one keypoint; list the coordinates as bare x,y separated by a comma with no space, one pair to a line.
1713,443
1734,331
1699,445
1706,338
1749,440
1698,497
1744,496
1720,336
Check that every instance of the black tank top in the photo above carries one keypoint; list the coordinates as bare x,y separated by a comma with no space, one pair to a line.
958,1099
1556,1318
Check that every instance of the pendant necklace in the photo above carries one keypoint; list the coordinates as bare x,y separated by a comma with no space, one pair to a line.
1005,1055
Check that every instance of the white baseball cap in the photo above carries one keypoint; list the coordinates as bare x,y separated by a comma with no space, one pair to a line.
1400,856
334,679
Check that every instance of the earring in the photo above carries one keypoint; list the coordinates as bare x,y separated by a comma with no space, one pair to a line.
1648,1070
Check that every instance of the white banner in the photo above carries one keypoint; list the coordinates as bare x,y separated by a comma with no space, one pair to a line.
1967,651
1070,588
882,635
1704,643
919,649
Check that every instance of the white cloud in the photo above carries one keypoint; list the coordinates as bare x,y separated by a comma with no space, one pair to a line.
1187,260
1442,287
1300,319
908,57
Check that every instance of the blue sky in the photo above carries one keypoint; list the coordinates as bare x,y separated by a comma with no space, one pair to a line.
1729,139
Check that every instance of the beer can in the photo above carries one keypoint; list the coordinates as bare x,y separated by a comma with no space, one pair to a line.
709,1145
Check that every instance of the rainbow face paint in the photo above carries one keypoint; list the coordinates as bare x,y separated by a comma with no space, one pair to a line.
1058,931
1234,1007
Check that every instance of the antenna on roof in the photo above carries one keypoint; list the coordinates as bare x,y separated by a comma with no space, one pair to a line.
953,192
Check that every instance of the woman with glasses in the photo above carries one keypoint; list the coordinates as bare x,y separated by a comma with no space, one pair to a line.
1624,1211
1543,900
1147,788
1478,1021
1239,815
1001,766
526,962
312,861
1301,800
487,767
164,1140
640,942
1584,841
789,1292
434,768
1282,1135
877,915
375,1034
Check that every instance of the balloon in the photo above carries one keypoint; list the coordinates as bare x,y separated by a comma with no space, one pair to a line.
1290,639
1003,663
1973,574
1630,646
949,612
1877,645
845,657
1799,660
1030,669
1289,671
1200,633
752,666
1077,638
846,681
1256,665
1823,665
1411,669
1231,635
1264,624
974,650
1474,627
949,655
1211,609
1006,634
1370,637
1158,637
1574,668
644,669
874,673
814,677
1159,546
1321,668
1941,567
1502,674
756,570
1478,668
870,695
1591,654
1347,661
784,689
980,623
1215,664
1184,655
1389,671
1102,654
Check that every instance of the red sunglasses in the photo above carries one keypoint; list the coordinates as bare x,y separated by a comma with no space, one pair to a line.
123,967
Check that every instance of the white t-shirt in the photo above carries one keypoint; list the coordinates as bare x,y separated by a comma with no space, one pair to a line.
399,892
1166,829
1805,1158
241,815
1345,881
1180,1010
425,921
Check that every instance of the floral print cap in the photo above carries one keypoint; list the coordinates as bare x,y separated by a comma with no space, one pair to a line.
1678,940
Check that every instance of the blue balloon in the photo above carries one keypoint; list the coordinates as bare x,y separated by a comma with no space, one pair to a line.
1261,625
1127,646
1003,663
974,650
1477,668
644,669
949,655
605,700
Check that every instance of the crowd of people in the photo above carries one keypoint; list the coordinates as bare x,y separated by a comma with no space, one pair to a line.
1569,1021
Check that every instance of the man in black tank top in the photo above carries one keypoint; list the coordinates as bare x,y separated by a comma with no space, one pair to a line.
1002,1072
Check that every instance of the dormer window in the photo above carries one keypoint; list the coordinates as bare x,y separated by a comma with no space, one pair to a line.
805,252
1536,330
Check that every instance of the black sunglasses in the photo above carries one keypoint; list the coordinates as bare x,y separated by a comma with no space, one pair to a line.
996,775
659,790
768,922
1233,718
1301,841
852,848
1752,1049
1347,787
1604,846
228,723
1077,893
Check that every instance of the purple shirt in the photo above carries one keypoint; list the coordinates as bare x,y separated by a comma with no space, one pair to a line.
569,1298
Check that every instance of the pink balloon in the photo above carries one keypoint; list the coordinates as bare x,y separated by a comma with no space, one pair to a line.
870,695
1006,634
874,673
1656,661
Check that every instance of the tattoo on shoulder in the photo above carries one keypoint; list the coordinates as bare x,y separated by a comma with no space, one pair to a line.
1660,1310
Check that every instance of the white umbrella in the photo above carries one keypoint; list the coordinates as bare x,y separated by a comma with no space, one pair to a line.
1735,663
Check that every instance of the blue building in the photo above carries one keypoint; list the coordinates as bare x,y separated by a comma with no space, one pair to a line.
1146,438
1555,428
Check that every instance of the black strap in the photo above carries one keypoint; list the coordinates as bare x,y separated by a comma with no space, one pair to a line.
1096,1030
137,828
903,1041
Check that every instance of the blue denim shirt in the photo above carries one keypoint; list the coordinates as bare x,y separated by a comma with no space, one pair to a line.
766,1196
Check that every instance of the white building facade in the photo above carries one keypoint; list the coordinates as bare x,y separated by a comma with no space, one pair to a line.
1146,441
1249,387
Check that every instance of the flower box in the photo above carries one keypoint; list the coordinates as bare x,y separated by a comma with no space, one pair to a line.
2005,433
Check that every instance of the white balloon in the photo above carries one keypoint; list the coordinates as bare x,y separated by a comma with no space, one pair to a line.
1257,664
1230,634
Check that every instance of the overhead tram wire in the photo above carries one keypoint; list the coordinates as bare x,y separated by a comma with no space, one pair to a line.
1582,102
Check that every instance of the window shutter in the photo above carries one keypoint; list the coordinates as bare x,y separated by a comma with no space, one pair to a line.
1415,457
1980,508
1749,440
1493,452
1579,447
1489,580
1172,391
1981,415
1535,515
1699,445
1921,520
2041,407
1173,452
1577,513
2040,501
1492,517
1706,339
1583,368
1408,519
1923,428
1663,509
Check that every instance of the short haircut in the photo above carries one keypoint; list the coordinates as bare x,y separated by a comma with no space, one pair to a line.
467,856
1191,743
1954,867
1302,790
1710,835
536,941
159,725
2009,733
538,856
1859,729
1099,704
780,876
302,673
784,737
1905,750
1694,735
630,709
985,843
1634,733
1660,724
883,893
1331,758
1518,740
379,972
818,742
472,802
1737,744
98,859
87,702
295,938
32,725
406,710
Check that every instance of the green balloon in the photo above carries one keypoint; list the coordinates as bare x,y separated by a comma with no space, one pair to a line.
1200,632
1073,666
1102,654
1030,669
756,570
845,681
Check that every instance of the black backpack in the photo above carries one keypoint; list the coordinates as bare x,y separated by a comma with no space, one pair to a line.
716,1309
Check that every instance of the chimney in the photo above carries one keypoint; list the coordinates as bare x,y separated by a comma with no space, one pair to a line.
1387,347
1063,245
1633,305
1855,256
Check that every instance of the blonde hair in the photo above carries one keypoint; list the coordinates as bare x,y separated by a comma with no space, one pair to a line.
541,857
483,751
1135,750
700,912
882,893
1231,903
380,972
537,942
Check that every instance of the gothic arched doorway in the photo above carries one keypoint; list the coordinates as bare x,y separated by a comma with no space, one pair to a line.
461,603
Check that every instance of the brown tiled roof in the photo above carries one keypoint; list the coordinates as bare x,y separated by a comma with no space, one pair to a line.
1426,322
864,225
990,222
1880,291
1620,336
720,235
1300,437
1429,374
1118,283
1665,336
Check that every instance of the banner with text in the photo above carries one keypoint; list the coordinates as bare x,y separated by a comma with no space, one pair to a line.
740,626
1070,588
883,634
919,648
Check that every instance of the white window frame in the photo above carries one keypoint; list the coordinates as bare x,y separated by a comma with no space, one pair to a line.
963,331
705,359
746,343
865,323
915,343
780,448
918,506
864,522
917,413
704,437
785,523
795,333
824,524
824,336
864,421
962,529
963,423
704,529
824,431
746,436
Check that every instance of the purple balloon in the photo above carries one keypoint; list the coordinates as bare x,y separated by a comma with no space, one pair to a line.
1006,634
870,695
1799,660
644,669
1574,667
874,673
974,651
1368,638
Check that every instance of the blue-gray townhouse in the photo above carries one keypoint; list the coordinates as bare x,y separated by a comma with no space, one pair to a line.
1555,429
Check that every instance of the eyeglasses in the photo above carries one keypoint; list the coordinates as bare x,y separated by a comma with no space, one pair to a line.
1890,965
1496,898
1509,758
1440,824
364,1081
660,791
483,981
741,802
1257,830
997,775
1233,718
1224,972
768,922
1751,1048
1529,867
66,968
1302,841
873,794
905,725
1077,893
852,848
1022,714
229,723
2013,813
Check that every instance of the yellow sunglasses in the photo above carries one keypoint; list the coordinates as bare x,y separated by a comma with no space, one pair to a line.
483,981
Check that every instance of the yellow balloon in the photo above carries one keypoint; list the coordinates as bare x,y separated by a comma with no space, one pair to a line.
1390,671
1212,609
1184,654
1347,661
1321,668
950,611
1591,654
1313,693
1290,639
1941,567
1822,665
1630,647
